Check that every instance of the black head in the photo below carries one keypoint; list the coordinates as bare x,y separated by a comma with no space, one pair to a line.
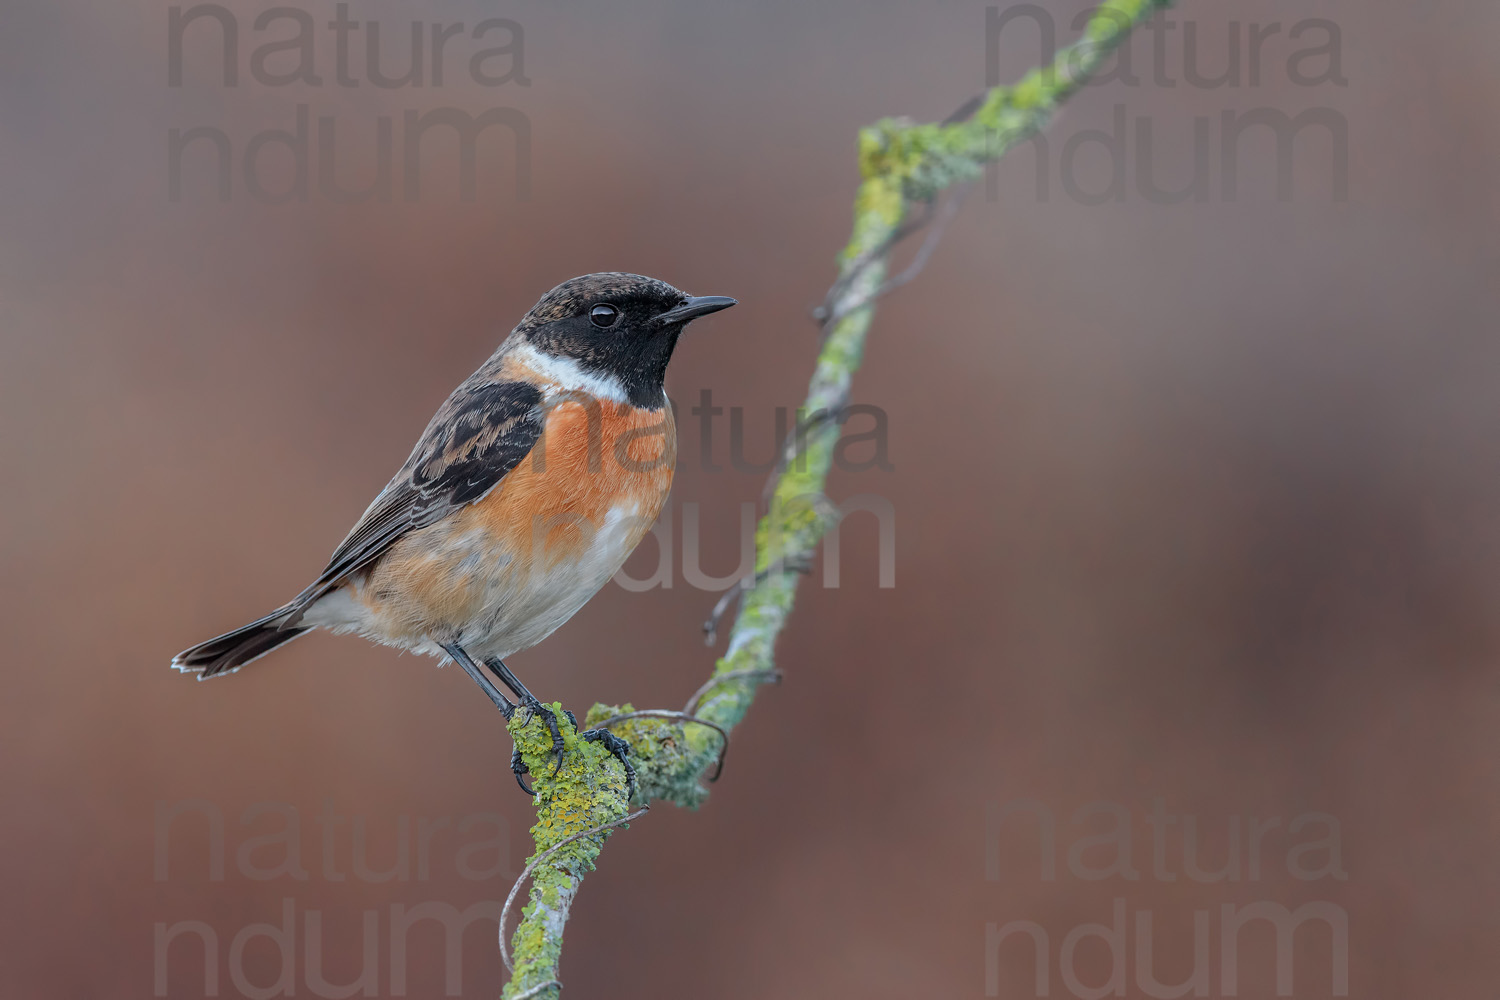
624,326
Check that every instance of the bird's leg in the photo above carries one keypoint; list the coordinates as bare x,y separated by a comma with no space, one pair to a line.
616,746
457,654
529,701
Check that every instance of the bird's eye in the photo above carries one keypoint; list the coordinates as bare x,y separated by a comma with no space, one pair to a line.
604,316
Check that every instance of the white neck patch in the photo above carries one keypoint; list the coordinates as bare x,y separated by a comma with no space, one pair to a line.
569,375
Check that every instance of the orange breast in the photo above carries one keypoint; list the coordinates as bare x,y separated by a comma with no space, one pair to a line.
594,460
511,567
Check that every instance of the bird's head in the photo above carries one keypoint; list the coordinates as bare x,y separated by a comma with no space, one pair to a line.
617,327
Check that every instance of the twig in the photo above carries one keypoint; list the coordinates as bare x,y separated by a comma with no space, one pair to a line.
965,111
801,563
950,209
765,677
791,445
951,205
536,862
826,314
662,713
711,623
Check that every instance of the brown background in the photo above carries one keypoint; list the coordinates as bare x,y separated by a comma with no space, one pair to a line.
1194,502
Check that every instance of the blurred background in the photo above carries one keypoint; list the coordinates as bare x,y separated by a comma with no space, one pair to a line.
1195,500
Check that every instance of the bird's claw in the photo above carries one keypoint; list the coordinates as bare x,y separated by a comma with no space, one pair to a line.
549,717
519,769
619,749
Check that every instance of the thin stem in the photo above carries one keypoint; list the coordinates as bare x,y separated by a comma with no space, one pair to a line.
535,863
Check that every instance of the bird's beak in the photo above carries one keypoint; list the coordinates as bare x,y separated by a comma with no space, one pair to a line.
695,306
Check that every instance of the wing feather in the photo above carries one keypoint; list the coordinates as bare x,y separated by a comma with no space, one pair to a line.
480,434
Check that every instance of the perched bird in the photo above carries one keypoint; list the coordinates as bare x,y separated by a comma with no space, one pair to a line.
527,491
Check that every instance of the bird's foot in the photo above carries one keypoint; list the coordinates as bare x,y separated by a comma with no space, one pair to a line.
619,749
559,745
549,719
520,770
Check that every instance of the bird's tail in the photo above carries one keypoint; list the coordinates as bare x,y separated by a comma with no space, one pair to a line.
232,650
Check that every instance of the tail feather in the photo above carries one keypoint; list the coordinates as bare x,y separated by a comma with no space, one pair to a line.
227,653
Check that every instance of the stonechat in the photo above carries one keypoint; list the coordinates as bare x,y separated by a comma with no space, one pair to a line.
527,491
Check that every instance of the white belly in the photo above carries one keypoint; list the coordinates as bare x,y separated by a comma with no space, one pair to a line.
521,605
532,605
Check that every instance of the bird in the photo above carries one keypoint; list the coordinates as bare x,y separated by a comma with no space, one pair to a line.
525,494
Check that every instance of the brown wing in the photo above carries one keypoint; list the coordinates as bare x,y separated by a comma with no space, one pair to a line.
478,436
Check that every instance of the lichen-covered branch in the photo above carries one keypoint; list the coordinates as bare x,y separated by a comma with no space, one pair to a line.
902,165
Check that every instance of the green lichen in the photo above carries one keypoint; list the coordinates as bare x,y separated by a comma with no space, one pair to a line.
587,791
